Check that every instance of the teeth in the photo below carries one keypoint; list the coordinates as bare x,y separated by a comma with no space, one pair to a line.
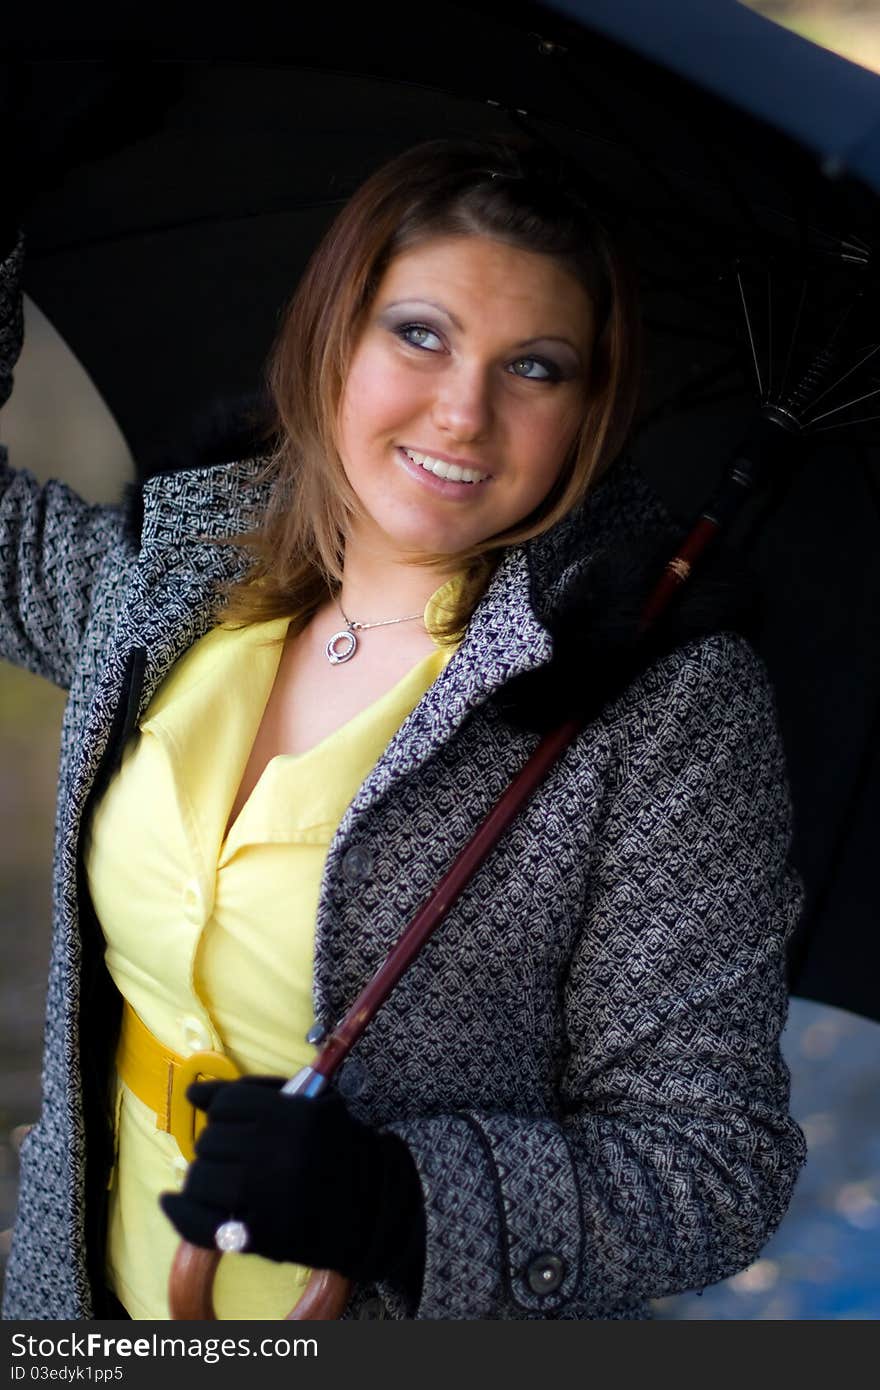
451,471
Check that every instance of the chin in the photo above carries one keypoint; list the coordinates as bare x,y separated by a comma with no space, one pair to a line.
438,546
421,540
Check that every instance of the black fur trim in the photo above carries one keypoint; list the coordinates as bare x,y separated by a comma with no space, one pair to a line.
596,655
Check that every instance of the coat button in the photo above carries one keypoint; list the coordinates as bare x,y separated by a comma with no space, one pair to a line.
352,1078
372,1308
357,864
545,1272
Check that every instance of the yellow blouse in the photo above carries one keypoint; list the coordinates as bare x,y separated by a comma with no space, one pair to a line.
210,938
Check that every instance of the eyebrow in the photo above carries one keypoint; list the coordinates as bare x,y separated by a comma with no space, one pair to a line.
529,342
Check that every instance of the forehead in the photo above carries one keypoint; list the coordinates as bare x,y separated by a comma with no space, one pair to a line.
475,276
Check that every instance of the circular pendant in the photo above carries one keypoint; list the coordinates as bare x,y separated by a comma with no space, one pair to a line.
337,657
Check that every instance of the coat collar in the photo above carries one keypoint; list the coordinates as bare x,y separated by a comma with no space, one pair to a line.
190,508
176,599
182,505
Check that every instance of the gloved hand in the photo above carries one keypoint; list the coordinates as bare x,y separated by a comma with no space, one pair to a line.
313,1185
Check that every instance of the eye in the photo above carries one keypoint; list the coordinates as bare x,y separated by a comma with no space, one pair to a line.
550,371
415,333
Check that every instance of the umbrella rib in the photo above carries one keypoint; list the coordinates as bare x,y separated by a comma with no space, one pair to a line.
843,424
745,309
794,333
841,379
837,409
856,244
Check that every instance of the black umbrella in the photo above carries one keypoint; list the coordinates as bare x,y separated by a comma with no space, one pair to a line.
193,189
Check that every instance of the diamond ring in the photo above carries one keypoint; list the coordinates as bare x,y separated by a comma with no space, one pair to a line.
231,1237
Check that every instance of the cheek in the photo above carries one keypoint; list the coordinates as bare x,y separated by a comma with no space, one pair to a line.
546,443
356,400
379,394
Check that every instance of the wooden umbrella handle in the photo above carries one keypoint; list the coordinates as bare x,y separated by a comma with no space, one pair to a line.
191,1289
323,1299
191,1284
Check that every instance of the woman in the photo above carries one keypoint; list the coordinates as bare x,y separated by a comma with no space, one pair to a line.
294,693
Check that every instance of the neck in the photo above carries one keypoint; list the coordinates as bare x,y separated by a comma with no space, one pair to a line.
376,587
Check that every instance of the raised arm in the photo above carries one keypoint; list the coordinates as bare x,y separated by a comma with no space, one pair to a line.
52,542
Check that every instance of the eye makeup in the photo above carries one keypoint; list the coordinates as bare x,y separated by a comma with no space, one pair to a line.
412,306
553,371
392,318
406,328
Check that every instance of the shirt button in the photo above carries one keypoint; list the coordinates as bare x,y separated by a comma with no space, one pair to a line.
357,864
192,903
196,1037
545,1272
179,1166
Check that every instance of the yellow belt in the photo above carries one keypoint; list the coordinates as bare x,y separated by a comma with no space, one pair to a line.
159,1078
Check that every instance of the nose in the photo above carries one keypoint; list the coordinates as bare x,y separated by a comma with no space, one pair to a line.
463,405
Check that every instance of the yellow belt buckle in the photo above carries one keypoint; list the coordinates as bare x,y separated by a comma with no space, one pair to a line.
185,1121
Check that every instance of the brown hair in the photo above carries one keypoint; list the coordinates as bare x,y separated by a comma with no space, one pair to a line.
509,187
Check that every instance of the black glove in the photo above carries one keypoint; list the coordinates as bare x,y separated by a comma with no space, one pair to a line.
313,1185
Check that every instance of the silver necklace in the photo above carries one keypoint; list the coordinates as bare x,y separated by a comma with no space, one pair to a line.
337,654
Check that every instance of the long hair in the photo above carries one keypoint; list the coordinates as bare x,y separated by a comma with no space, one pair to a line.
507,187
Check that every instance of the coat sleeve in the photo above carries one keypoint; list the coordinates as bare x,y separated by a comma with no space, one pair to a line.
672,1156
52,542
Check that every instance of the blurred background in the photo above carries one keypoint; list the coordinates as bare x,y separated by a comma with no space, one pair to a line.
824,1261
848,27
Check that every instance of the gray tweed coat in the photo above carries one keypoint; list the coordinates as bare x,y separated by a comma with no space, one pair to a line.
584,1061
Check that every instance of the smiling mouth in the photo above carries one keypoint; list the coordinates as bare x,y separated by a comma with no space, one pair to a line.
449,472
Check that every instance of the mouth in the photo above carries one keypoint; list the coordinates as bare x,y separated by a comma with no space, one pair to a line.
444,470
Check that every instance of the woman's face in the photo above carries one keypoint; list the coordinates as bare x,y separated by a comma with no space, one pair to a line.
473,357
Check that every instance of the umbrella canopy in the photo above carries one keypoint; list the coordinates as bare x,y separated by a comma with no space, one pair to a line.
194,190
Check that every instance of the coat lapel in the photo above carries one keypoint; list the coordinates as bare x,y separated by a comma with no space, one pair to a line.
174,597
504,639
